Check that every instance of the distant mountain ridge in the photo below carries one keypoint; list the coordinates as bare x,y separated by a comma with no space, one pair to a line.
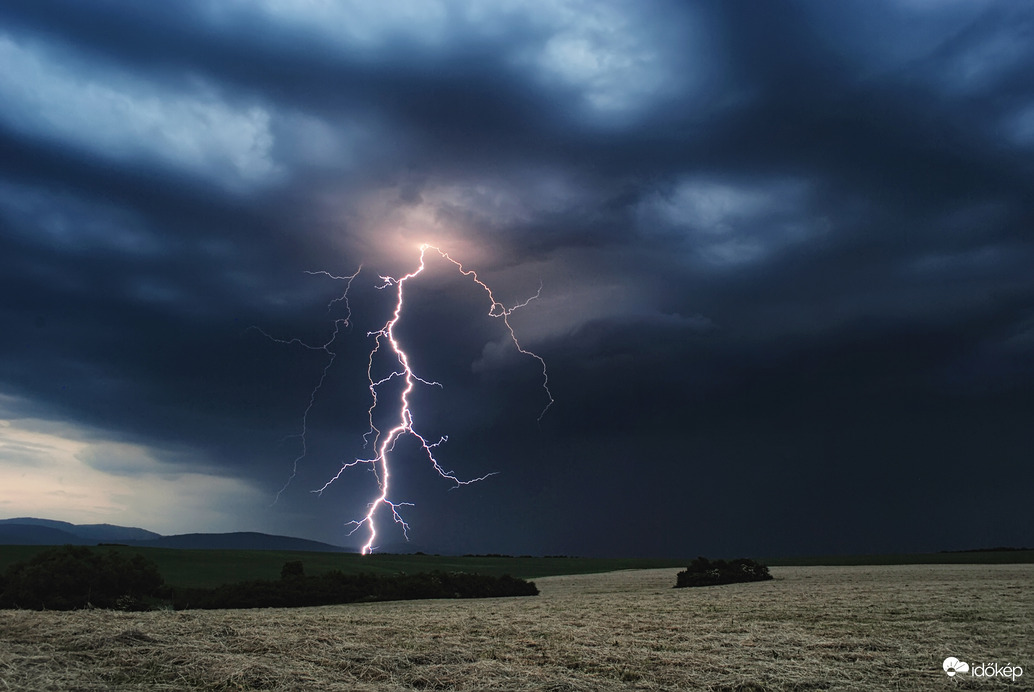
33,531
88,532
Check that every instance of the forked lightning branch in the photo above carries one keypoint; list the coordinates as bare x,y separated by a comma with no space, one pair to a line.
386,347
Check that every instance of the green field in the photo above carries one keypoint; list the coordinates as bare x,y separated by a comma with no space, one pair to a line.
210,568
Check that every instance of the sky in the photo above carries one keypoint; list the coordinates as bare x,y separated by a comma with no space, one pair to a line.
783,253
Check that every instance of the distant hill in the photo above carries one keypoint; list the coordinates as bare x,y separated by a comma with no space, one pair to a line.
104,533
245,540
33,531
27,534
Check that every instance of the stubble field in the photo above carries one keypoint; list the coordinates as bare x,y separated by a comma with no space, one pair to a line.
843,628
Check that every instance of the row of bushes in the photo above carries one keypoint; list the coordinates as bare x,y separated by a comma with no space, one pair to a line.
77,577
336,587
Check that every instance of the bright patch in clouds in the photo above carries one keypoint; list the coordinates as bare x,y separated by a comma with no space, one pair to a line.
62,471
608,55
611,56
1020,127
351,23
65,97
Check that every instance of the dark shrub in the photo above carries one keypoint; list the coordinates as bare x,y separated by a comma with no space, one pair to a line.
72,577
704,572
292,570
336,587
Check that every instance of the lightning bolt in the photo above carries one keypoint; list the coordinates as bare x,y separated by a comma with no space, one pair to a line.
384,441
325,347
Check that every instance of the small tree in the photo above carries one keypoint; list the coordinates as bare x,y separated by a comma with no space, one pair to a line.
292,570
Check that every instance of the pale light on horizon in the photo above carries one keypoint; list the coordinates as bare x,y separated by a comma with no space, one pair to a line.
59,470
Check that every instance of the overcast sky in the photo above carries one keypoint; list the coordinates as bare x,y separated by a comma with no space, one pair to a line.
785,250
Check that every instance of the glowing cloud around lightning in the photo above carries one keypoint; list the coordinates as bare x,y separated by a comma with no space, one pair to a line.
387,345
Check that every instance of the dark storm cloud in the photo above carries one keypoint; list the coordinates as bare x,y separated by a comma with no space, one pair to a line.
784,252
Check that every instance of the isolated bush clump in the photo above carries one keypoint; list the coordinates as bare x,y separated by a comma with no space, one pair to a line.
704,572
292,570
73,577
295,589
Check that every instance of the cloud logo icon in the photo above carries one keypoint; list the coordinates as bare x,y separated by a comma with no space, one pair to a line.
953,665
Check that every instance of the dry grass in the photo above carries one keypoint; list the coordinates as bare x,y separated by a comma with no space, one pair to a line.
844,628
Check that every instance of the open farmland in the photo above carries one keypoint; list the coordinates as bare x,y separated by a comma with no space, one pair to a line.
877,627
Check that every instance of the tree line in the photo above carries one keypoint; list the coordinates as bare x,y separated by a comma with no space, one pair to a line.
72,577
